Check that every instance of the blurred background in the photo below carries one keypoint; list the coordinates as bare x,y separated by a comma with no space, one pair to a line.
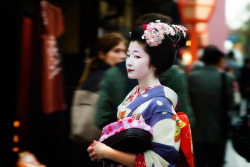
40,106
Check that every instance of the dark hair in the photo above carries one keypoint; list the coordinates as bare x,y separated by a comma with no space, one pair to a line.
108,41
212,55
162,56
151,17
230,55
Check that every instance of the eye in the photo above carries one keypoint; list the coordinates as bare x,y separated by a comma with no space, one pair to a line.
137,57
128,55
119,50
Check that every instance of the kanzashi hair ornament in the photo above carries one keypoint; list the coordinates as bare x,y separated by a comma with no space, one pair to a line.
179,29
155,32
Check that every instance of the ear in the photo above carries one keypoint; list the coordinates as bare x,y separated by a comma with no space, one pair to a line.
101,55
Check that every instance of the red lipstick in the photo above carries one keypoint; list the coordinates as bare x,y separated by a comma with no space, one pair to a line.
129,70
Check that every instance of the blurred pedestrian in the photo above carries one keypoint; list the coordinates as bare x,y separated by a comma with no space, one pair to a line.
198,64
244,84
234,69
232,64
211,94
110,49
116,84
239,57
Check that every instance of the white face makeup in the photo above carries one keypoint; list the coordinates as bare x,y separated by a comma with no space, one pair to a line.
137,62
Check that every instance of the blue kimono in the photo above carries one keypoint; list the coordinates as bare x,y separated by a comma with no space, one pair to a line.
156,107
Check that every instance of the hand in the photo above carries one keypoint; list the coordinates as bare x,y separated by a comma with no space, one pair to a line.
100,149
92,154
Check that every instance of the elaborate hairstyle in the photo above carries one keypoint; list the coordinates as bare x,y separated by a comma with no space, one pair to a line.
160,41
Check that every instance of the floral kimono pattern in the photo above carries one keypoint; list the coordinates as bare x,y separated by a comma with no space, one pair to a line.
156,107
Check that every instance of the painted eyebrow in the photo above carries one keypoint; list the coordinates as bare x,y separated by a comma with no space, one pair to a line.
136,51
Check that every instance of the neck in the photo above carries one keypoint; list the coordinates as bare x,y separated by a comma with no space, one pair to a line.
148,81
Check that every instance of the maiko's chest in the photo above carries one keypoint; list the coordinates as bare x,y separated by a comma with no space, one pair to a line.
136,113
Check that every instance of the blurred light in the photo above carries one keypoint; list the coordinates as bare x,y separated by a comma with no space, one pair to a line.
236,13
201,27
15,138
15,149
203,39
16,124
228,45
198,10
188,43
187,58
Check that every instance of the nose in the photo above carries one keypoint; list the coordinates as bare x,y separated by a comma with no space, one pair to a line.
129,62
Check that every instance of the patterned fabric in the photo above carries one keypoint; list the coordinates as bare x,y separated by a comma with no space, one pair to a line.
135,93
121,125
186,145
140,161
156,107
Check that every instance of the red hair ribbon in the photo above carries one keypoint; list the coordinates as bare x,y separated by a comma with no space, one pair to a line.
144,26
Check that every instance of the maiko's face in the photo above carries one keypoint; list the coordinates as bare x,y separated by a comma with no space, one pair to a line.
137,62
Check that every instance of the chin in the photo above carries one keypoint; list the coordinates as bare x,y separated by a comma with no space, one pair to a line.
131,77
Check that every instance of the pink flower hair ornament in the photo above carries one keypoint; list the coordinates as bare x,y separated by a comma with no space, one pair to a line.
155,32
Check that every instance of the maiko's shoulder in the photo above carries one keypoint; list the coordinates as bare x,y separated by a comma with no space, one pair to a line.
171,95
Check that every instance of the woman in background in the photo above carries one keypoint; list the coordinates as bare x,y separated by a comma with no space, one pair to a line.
110,49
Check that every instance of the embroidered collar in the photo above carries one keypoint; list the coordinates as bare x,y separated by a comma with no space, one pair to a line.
135,93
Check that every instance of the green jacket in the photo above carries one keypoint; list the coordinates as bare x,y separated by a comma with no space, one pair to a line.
114,89
112,93
205,87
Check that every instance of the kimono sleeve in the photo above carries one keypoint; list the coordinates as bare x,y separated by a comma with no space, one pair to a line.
166,141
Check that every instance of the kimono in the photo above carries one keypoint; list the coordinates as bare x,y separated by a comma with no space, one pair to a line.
156,107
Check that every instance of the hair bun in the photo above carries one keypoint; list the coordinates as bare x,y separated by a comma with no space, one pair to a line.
137,33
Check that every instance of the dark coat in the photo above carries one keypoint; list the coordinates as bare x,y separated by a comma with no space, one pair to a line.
92,82
205,86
